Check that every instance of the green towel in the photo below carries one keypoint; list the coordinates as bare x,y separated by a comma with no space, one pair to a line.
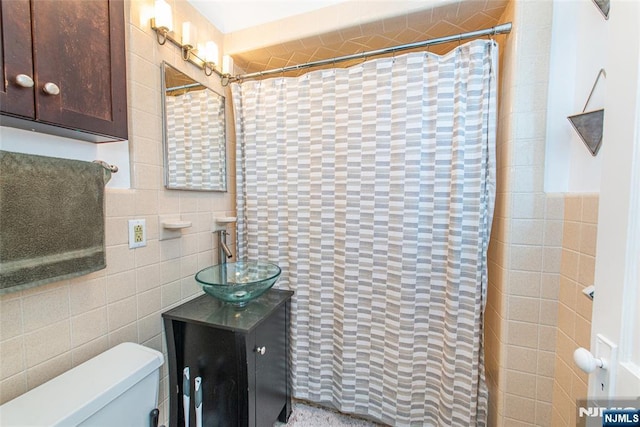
51,219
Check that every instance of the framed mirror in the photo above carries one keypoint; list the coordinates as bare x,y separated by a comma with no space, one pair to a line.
194,134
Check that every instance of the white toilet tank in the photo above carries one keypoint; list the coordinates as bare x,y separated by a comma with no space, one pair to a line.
116,388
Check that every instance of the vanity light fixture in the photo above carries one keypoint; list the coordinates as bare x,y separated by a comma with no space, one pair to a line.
207,55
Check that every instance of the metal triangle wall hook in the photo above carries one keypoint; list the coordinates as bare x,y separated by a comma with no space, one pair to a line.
589,125
603,6
602,72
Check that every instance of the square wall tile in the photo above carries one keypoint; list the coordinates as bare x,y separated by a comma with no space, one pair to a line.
47,343
546,364
521,359
88,326
587,270
590,208
573,208
13,387
544,389
527,232
569,264
12,356
523,334
543,413
521,384
43,308
524,309
547,338
550,286
571,235
87,295
524,283
548,312
526,258
11,324
551,260
553,232
47,370
519,408
588,237
554,207
567,293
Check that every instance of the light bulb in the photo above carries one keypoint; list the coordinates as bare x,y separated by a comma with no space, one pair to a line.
211,52
227,64
163,16
189,32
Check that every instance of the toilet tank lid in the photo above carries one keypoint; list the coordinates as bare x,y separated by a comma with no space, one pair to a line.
75,395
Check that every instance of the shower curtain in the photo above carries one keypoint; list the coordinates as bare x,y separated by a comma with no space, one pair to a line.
373,188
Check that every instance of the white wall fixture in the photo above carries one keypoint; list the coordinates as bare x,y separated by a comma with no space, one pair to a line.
223,222
171,227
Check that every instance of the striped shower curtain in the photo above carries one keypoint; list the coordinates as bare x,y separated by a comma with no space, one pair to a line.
373,188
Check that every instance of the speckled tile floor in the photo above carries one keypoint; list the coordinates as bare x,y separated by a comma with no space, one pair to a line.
306,415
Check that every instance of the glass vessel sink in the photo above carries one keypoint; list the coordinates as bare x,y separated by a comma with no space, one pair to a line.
238,282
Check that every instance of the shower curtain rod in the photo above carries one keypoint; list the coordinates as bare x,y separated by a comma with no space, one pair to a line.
498,29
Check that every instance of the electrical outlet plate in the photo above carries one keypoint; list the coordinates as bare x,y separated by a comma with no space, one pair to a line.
137,233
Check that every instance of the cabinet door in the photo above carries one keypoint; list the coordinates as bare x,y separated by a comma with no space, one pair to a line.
211,354
15,58
78,46
271,368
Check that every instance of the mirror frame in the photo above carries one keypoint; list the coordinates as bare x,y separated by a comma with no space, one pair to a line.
165,135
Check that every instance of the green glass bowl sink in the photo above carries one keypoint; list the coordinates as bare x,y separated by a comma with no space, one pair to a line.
238,282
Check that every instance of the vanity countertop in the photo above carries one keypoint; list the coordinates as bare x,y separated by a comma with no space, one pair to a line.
209,311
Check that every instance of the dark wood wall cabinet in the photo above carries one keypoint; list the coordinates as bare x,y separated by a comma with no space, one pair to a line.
63,68
241,356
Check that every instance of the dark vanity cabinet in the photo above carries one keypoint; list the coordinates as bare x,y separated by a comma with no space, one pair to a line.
63,66
241,355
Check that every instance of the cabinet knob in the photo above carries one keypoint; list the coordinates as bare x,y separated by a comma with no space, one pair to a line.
51,89
23,80
261,350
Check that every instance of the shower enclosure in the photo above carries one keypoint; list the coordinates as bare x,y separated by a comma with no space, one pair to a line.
373,187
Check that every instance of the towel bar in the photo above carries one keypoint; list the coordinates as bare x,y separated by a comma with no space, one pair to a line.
112,168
